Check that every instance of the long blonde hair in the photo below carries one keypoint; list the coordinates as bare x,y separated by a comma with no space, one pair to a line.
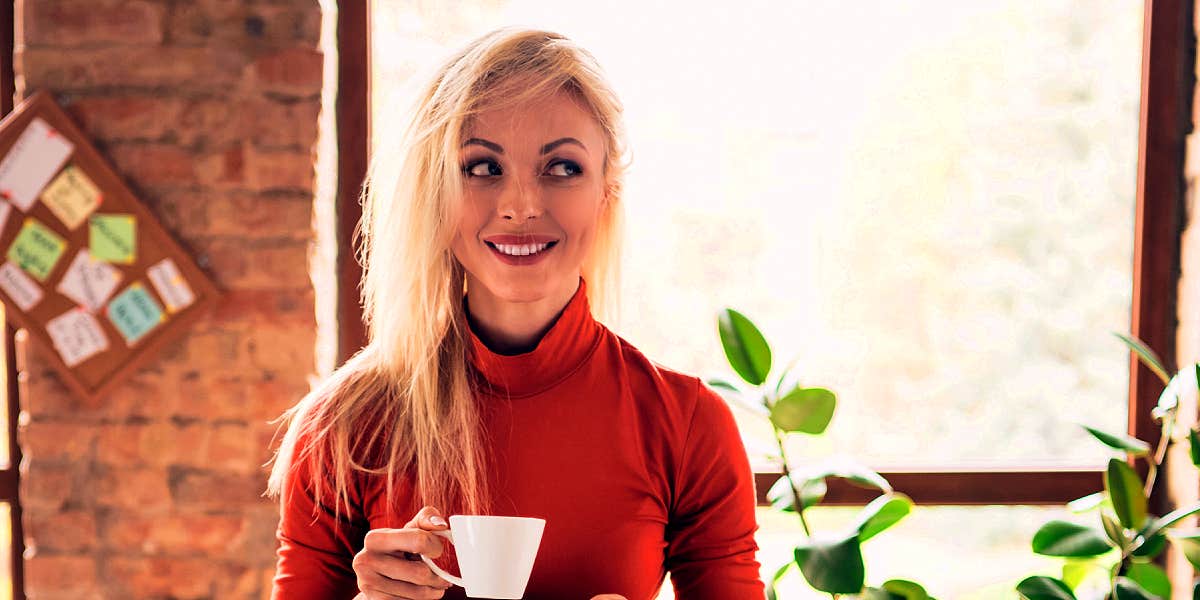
403,404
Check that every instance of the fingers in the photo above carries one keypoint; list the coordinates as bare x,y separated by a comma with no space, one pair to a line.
386,576
394,541
609,597
429,519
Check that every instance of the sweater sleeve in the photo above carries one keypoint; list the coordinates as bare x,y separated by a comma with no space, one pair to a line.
316,550
710,537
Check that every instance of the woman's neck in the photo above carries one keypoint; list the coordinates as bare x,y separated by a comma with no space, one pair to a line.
514,327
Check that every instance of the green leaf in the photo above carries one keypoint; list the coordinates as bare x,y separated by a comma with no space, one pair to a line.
903,588
834,566
719,383
873,593
1170,519
1146,355
1125,489
880,514
732,394
1062,538
1075,571
1128,589
745,347
1044,588
1189,542
1194,443
779,574
804,410
1152,578
1114,531
1086,503
1123,443
811,494
1151,547
845,468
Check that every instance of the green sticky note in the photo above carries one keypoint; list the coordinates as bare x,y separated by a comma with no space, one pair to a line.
36,249
134,312
113,238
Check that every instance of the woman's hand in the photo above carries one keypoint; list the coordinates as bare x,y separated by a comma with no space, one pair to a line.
389,566
609,597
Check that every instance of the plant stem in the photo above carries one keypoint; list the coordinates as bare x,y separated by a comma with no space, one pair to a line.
787,472
1160,453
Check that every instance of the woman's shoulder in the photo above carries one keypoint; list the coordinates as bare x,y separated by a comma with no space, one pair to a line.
677,383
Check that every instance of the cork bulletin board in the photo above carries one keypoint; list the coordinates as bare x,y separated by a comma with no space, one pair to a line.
84,266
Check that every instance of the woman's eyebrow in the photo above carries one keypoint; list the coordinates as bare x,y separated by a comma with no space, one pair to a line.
497,148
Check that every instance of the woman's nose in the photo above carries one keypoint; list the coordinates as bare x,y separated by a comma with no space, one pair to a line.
520,201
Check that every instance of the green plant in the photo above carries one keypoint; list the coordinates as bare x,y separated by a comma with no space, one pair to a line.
831,563
1129,537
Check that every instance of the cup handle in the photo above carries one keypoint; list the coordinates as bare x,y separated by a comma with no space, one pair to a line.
436,569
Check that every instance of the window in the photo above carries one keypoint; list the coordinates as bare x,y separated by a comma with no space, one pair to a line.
940,208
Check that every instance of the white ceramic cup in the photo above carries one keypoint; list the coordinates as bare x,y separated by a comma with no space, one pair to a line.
495,554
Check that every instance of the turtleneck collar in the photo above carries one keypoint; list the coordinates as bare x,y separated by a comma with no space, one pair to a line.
569,342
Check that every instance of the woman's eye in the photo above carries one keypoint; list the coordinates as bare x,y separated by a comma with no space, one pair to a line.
473,170
568,169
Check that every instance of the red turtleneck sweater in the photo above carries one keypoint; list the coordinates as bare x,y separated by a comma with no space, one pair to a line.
639,470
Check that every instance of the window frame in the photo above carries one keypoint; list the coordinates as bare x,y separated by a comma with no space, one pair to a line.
1165,118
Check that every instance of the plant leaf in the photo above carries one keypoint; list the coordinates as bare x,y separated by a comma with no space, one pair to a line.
1123,443
1063,538
1189,542
732,394
1194,445
1128,589
745,347
804,410
1170,519
1125,490
903,588
1086,503
1146,355
845,468
1114,531
1040,587
1075,571
1151,578
1151,546
880,514
834,566
811,494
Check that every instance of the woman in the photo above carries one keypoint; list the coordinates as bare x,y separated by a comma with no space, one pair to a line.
487,386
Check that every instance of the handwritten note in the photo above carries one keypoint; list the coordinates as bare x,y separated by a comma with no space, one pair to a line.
36,249
170,285
89,282
134,313
77,336
22,290
113,238
71,196
33,159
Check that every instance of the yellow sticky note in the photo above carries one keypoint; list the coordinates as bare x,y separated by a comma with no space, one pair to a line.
71,196
113,238
36,249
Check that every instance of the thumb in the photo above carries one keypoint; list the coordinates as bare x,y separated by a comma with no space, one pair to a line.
428,518
609,597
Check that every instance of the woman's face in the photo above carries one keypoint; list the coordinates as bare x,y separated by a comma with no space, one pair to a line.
533,194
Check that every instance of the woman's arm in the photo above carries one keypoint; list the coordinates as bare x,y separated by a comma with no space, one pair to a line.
711,547
315,552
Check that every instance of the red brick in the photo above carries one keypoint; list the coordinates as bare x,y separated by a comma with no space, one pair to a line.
47,575
46,487
295,71
234,447
49,441
74,23
283,124
255,264
141,488
209,21
64,532
206,69
275,307
279,170
179,578
152,444
173,534
280,349
223,169
124,117
154,164
194,489
260,216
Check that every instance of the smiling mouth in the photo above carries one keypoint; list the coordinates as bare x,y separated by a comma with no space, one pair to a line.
521,249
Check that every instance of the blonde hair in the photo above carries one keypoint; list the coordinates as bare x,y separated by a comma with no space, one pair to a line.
403,404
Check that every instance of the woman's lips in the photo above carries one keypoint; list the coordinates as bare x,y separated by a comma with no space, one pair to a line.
528,259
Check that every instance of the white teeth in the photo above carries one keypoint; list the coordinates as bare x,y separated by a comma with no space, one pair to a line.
524,250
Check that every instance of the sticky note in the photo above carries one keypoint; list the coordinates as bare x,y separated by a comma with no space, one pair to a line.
77,336
71,196
88,281
134,313
170,285
113,238
18,286
36,249
33,159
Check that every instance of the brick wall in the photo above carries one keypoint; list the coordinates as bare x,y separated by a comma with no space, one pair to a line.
208,109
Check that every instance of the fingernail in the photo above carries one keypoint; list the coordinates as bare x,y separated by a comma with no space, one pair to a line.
436,520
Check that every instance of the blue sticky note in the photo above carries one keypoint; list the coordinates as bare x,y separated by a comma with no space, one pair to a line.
134,312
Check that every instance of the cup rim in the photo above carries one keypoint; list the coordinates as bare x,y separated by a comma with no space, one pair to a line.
498,517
